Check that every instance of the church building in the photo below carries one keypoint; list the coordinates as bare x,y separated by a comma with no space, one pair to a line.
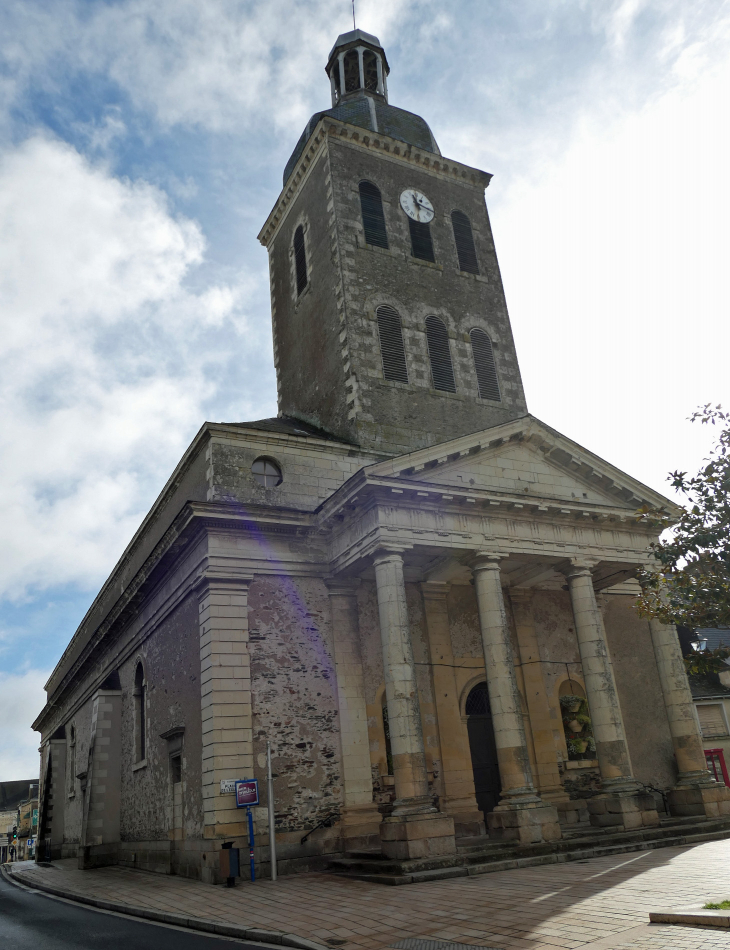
421,595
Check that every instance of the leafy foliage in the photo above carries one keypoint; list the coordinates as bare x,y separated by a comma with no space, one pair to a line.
691,585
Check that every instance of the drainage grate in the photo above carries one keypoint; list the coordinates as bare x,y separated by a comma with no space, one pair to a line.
423,943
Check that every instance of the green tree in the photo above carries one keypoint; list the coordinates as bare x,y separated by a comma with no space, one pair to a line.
690,585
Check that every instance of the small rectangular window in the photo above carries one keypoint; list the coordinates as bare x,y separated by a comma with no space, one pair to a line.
176,769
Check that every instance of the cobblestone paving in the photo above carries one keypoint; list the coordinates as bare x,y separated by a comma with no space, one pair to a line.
601,902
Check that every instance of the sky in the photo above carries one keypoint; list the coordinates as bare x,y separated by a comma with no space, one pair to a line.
142,144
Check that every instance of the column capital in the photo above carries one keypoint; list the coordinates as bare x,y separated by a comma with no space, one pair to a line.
388,552
342,587
435,590
579,567
484,561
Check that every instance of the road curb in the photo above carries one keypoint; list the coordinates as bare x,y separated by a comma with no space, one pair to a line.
694,918
273,937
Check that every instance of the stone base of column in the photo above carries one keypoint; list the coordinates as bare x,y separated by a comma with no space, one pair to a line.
572,812
360,827
525,822
627,810
708,800
405,837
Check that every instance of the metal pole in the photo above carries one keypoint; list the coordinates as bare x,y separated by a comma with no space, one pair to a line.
250,844
272,825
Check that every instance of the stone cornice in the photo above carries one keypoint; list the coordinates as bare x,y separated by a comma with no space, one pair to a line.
328,128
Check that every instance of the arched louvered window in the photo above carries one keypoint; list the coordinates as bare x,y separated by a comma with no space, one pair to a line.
300,259
481,347
421,243
373,218
351,63
370,69
464,240
392,350
439,353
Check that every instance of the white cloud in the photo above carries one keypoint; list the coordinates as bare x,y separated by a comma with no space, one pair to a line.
21,698
102,372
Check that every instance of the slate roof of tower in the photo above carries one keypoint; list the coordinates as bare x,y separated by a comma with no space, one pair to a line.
397,123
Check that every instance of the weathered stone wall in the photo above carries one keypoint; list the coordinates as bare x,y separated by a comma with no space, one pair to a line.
74,805
295,701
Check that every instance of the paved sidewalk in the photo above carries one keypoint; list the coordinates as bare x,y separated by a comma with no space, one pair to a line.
597,904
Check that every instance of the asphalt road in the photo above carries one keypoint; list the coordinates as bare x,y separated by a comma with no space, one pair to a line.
30,920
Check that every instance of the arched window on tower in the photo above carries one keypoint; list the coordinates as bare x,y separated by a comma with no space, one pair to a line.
373,217
370,69
351,64
421,241
300,259
392,351
140,706
464,240
481,347
439,353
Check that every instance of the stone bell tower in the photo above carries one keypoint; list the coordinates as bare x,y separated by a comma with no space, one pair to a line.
390,321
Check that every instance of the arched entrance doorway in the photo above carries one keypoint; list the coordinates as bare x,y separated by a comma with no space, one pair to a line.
483,748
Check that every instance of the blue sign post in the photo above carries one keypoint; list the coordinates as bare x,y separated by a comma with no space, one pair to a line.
247,794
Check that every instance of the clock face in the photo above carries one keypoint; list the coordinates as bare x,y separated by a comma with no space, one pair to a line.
416,205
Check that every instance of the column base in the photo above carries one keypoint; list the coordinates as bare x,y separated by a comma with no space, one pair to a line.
526,822
404,837
628,810
708,800
360,827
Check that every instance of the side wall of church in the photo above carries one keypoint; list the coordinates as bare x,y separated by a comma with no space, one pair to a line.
171,662
295,707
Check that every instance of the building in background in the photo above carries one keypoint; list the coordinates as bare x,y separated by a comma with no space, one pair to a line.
18,818
419,593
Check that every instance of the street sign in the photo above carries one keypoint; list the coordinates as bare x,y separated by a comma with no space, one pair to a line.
228,786
247,792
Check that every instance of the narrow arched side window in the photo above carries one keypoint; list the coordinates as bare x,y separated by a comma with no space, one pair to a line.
71,766
392,351
464,240
352,71
373,217
140,707
486,370
370,70
300,259
439,353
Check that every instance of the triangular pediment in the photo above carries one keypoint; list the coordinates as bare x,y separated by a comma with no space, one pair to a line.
525,460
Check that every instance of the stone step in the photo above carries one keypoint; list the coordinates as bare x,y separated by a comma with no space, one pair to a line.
487,856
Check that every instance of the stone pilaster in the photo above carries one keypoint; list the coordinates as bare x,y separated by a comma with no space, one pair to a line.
225,684
521,813
360,818
53,796
459,799
414,829
547,775
100,831
695,792
621,802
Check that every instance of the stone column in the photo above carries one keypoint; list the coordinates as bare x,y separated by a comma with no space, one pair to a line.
459,799
225,685
360,818
695,793
520,814
542,718
621,803
414,829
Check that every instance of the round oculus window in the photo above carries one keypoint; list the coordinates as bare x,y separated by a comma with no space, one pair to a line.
266,472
